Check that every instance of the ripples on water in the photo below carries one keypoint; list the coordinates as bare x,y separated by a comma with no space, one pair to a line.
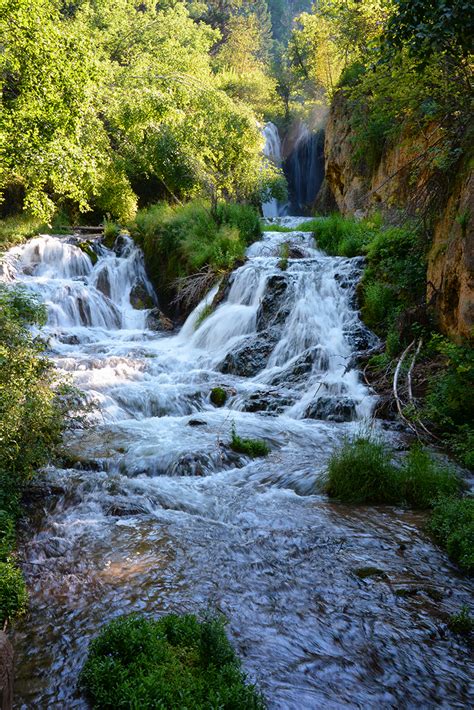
158,514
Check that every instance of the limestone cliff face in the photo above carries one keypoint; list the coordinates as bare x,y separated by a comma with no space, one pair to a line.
389,187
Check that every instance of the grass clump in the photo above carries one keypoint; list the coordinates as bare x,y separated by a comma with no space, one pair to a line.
182,240
452,526
364,470
218,396
207,311
361,471
462,623
250,447
172,662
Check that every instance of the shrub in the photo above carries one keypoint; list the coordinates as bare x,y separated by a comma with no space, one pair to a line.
364,471
13,596
462,623
218,396
421,480
180,241
335,233
172,662
250,447
452,526
361,471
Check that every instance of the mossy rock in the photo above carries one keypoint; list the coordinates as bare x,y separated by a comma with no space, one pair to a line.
88,249
218,396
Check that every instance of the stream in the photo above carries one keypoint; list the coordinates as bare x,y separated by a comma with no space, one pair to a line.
157,514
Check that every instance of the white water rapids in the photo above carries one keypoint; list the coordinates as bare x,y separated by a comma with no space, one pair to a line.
158,514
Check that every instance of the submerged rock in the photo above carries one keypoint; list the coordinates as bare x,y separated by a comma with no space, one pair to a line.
270,401
274,307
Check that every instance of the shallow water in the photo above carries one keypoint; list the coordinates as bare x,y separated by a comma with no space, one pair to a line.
158,514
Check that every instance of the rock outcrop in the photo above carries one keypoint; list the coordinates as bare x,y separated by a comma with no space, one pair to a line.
389,187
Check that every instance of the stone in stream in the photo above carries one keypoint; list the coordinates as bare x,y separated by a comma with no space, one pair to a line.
298,371
140,298
251,357
274,308
103,283
156,320
332,409
270,401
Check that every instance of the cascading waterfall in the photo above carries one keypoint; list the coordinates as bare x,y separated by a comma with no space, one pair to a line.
156,513
272,151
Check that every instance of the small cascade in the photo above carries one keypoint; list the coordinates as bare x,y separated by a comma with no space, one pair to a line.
303,166
154,512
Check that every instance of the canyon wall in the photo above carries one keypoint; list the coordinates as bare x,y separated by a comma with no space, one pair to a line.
390,186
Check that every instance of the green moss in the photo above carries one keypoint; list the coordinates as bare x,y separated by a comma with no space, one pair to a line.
205,313
111,232
284,255
452,526
173,662
250,447
218,396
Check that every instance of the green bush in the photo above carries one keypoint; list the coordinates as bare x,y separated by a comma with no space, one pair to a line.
462,623
361,471
452,526
341,236
218,396
250,447
421,480
13,595
173,662
284,255
180,241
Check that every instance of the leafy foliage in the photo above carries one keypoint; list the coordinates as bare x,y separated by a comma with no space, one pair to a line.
179,241
173,662
13,595
452,526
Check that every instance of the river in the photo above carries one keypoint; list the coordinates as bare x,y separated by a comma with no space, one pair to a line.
158,514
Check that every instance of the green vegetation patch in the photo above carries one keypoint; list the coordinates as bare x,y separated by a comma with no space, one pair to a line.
452,526
172,662
182,240
13,595
250,447
462,623
363,470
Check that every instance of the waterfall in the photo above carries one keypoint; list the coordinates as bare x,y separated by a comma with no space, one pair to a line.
272,151
303,167
154,512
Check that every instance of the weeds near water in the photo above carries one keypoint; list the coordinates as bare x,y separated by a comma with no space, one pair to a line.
250,447
284,256
462,623
452,526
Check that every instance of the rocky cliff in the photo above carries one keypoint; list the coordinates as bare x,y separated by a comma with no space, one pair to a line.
391,186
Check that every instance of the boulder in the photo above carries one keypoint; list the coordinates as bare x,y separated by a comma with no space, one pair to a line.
274,307
157,321
251,357
140,298
333,409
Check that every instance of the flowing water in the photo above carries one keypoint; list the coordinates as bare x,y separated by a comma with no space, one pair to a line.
156,513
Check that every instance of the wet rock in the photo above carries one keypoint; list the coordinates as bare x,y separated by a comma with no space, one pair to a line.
296,252
223,291
361,339
197,422
332,409
140,297
251,357
192,465
157,321
124,510
302,366
103,283
218,396
267,401
68,339
274,307
84,311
